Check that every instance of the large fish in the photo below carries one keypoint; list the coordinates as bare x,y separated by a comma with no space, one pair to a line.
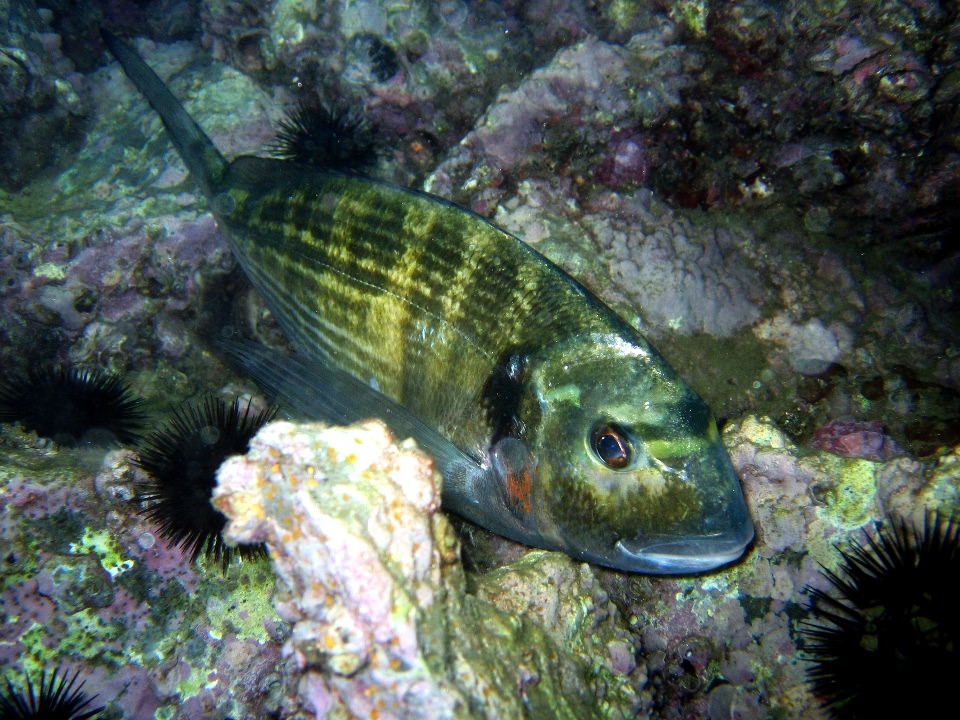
552,421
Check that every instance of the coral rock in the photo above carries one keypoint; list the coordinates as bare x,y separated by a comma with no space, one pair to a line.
358,561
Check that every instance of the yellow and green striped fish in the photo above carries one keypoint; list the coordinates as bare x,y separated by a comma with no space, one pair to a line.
552,421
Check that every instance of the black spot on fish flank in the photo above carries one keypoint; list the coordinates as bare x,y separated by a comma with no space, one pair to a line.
694,413
502,396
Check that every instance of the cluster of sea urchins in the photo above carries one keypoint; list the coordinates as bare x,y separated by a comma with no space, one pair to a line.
180,459
71,405
885,642
80,405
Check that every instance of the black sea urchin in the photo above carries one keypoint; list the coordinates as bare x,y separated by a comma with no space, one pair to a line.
886,644
182,461
72,405
314,135
58,700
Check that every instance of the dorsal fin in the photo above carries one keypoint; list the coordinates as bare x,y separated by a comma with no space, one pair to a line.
200,155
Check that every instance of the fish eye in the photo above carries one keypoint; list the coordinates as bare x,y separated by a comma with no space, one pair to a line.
611,444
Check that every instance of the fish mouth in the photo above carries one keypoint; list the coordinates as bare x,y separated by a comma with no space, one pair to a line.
721,536
682,557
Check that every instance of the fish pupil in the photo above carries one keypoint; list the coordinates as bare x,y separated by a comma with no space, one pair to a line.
612,446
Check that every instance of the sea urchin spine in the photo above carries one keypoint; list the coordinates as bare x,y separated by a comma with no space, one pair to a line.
314,135
885,643
58,699
182,460
71,405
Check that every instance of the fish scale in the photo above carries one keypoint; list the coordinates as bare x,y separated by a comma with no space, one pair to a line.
551,420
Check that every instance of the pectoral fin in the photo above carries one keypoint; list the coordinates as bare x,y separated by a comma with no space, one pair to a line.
311,389
517,470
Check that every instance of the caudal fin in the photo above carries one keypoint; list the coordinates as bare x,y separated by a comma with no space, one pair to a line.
200,155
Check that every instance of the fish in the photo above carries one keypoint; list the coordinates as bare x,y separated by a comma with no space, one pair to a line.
552,421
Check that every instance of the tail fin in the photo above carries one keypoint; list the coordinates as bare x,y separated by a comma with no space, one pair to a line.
203,160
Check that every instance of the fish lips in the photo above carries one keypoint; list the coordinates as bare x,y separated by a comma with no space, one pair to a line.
725,531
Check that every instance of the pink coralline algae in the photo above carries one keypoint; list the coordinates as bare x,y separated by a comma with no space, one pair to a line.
338,553
857,439
559,119
628,164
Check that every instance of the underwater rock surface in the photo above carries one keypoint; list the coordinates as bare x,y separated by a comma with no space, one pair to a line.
42,99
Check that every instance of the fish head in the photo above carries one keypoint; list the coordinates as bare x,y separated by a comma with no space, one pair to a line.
629,470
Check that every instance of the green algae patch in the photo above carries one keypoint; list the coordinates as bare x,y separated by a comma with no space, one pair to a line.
624,13
36,656
692,14
762,432
89,635
563,623
50,271
82,634
495,650
943,485
196,682
245,609
102,544
382,605
850,501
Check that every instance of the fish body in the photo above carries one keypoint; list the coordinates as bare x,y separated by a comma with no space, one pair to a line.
551,419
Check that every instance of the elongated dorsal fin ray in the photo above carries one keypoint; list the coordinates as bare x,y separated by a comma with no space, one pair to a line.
205,163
